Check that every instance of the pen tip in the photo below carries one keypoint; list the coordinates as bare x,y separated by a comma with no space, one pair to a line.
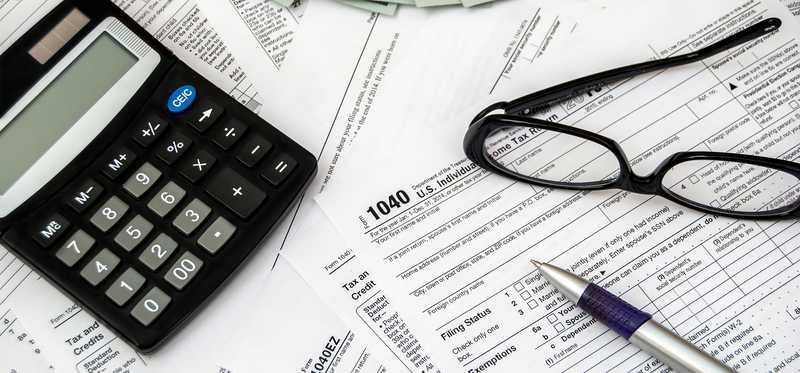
536,263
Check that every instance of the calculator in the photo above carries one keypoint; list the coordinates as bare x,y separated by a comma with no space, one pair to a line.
129,181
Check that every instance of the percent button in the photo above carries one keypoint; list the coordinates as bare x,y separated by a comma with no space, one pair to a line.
173,147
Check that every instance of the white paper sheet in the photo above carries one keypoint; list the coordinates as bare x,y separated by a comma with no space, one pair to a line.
295,332
519,33
455,256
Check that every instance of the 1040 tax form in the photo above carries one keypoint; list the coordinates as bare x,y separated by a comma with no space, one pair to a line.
450,243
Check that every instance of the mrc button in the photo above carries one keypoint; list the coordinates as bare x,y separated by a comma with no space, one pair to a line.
181,99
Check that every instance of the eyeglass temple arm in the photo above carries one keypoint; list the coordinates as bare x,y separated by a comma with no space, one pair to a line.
569,89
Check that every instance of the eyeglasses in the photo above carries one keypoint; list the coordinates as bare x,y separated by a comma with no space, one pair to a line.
553,155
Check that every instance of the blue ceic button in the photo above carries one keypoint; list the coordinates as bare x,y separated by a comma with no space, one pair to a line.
181,98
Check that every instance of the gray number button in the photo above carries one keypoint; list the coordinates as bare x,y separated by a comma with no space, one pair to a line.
100,267
133,233
158,251
125,287
75,248
150,306
166,199
109,214
219,232
191,217
142,180
184,270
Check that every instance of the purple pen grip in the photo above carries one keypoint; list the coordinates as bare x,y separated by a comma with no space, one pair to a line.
612,311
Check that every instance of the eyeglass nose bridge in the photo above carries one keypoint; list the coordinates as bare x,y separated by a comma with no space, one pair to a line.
640,184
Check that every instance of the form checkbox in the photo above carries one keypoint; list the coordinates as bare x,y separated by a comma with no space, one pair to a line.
518,286
694,179
532,304
794,105
715,203
552,318
525,295
559,327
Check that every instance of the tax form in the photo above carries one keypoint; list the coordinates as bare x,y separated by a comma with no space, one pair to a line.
450,243
350,68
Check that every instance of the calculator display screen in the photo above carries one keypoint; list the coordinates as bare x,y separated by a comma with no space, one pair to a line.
60,105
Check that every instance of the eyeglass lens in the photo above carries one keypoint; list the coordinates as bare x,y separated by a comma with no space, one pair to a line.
557,157
551,156
732,186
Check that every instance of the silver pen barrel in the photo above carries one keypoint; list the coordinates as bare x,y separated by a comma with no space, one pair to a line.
636,326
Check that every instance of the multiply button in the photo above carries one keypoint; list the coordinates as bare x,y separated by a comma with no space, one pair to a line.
236,193
196,166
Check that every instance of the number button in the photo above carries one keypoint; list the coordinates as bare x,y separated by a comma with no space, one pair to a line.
125,287
191,217
117,162
217,234
150,306
184,270
196,166
279,169
166,199
254,149
173,147
133,233
100,267
85,196
158,251
109,214
50,230
150,128
142,180
75,248
228,133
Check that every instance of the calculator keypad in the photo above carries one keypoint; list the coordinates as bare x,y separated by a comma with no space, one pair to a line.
236,193
217,234
156,221
184,270
173,147
158,251
142,180
85,196
75,248
109,214
133,233
124,287
100,267
151,306
197,166
118,161
49,230
149,129
166,199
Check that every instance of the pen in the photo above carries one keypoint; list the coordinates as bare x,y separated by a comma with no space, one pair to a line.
636,326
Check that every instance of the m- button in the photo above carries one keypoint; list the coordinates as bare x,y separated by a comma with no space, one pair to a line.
236,193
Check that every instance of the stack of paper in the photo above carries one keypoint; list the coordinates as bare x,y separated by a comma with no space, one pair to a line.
440,283
389,7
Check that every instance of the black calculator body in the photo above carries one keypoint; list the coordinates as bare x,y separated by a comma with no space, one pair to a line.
128,180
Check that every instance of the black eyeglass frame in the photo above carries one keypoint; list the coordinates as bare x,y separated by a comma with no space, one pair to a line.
485,124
